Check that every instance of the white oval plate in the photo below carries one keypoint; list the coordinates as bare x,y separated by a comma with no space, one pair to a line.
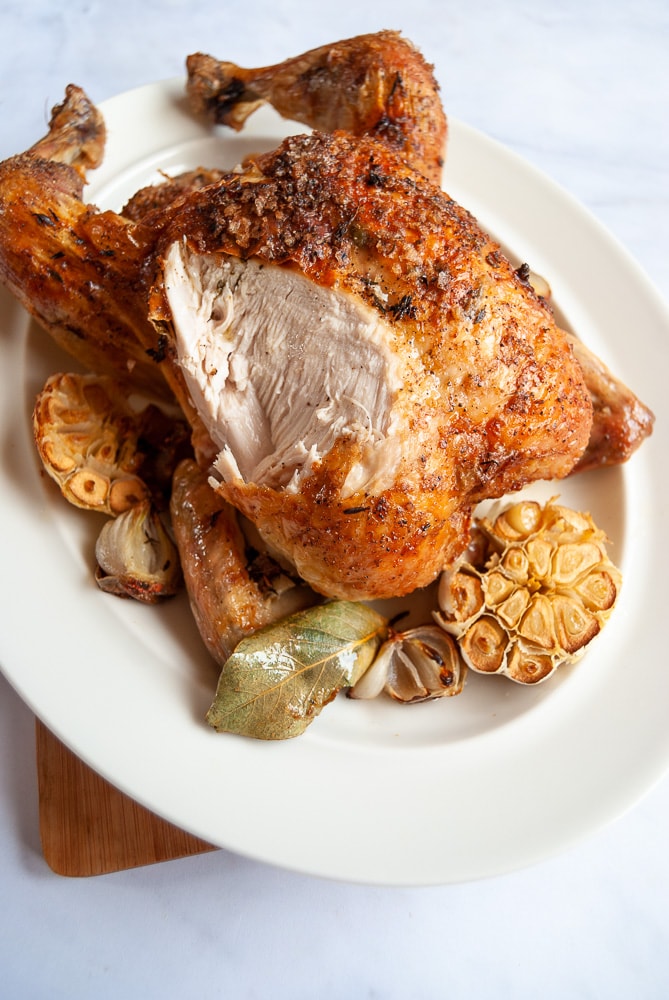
446,791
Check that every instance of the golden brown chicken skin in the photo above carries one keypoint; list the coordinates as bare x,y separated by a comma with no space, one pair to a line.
620,421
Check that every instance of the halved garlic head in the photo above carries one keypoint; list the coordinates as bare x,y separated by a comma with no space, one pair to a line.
104,454
136,556
539,588
416,665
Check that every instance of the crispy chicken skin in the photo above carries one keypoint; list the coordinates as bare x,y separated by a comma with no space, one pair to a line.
147,203
376,85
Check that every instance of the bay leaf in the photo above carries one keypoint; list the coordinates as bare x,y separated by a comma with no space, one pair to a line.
277,680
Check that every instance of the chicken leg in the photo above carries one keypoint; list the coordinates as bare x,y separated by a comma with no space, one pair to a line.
376,85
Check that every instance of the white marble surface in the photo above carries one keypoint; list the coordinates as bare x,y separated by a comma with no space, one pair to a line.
581,89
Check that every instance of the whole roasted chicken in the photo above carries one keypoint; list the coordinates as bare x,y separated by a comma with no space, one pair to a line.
359,361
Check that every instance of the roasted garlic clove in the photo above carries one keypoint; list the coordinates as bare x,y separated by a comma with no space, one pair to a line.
136,556
483,645
460,594
575,626
517,522
527,666
547,587
104,455
572,561
513,608
597,591
417,665
537,625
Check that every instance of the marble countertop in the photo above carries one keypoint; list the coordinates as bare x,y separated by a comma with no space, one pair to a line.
581,90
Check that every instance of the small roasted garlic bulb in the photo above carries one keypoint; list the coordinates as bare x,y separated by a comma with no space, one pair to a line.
416,665
539,588
104,454
136,556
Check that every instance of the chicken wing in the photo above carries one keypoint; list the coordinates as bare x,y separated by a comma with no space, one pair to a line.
620,420
233,589
74,268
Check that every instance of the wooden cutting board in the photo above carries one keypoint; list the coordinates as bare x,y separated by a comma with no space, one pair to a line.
88,827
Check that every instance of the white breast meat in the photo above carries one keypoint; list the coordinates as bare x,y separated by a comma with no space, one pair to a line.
280,369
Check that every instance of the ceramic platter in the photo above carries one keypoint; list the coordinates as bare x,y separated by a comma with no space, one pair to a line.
375,792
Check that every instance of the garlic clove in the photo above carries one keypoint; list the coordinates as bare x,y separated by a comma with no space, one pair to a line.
539,558
513,608
515,564
136,556
572,561
575,626
597,590
538,623
518,522
375,678
416,665
483,646
528,666
460,594
497,588
404,681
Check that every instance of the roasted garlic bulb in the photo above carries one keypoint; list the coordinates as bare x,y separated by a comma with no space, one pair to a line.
104,454
534,588
136,556
415,665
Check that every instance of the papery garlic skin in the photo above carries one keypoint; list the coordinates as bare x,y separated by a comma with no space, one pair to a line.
136,556
540,588
417,665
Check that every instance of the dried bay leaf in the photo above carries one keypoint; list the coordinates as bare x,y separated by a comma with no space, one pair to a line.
278,679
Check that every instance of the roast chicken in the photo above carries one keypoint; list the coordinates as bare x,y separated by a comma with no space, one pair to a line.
360,363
